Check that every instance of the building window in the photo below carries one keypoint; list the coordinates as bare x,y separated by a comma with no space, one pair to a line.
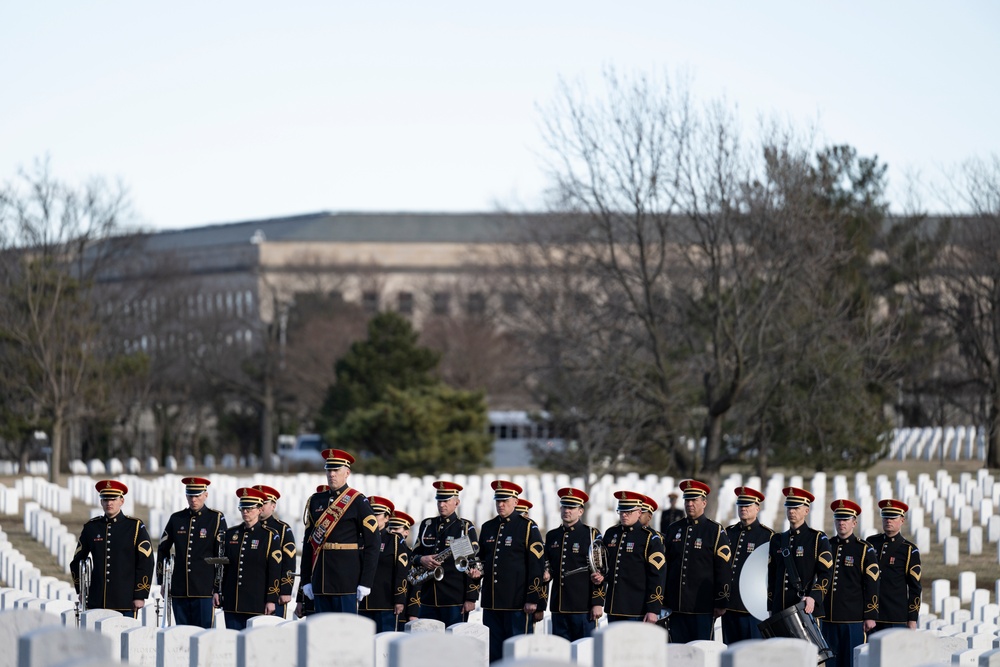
369,302
476,304
405,305
442,303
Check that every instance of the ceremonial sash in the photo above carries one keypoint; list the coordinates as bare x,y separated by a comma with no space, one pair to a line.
328,521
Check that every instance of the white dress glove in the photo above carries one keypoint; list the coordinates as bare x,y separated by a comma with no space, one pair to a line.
362,592
307,590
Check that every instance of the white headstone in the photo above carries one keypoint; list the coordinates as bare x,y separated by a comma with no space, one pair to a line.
940,589
214,648
951,551
943,529
896,647
633,644
173,645
966,584
424,625
352,635
538,646
713,650
431,649
976,541
990,658
479,632
52,644
772,652
114,626
263,621
582,652
16,622
266,646
861,654
685,655
382,641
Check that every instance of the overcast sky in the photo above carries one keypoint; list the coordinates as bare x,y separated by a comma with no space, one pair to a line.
227,111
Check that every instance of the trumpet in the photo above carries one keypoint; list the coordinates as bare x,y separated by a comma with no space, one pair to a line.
81,604
461,549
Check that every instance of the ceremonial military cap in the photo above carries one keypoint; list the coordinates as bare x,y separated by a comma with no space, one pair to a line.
629,500
381,505
446,490
892,508
195,486
673,494
570,497
502,489
692,489
523,505
110,488
649,505
322,488
269,492
845,509
250,497
796,497
401,519
337,458
747,496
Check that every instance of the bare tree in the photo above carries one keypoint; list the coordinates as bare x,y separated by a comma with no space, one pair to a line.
56,243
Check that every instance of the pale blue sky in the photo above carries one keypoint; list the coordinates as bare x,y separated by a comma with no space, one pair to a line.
226,111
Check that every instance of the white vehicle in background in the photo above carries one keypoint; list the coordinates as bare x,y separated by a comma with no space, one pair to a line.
301,452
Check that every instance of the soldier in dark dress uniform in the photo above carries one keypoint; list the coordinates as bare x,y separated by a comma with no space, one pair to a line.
387,601
452,598
744,536
287,541
512,553
672,513
852,603
899,570
194,534
341,544
698,568
809,551
400,524
122,555
251,578
576,602
304,606
635,565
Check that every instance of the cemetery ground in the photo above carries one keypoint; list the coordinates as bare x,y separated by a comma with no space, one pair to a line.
985,565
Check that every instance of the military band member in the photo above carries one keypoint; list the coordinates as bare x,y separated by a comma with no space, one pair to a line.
646,516
303,605
744,536
576,602
341,544
122,555
852,603
698,568
194,534
671,513
451,599
899,570
807,550
251,578
512,553
287,540
400,524
523,507
387,601
635,565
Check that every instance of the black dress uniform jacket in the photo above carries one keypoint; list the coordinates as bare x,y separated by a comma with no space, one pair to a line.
566,549
350,553
698,566
743,540
810,551
252,577
636,575
853,596
194,537
123,562
899,578
390,575
512,553
287,541
456,588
